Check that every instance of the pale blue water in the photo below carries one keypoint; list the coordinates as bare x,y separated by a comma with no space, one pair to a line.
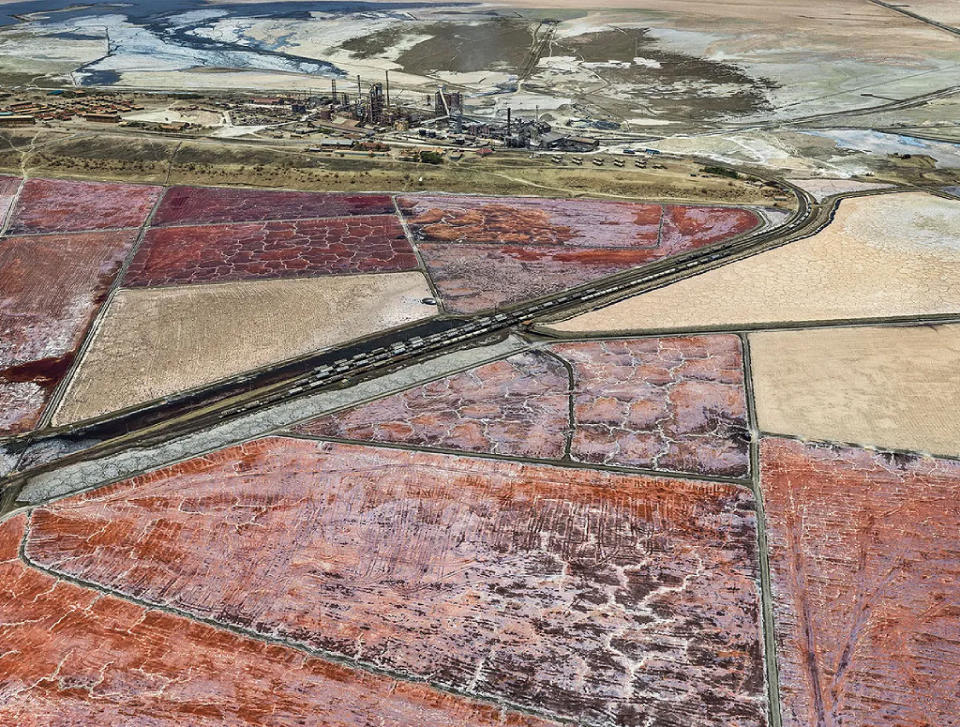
168,34
146,11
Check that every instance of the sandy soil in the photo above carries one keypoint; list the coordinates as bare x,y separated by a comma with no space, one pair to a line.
823,188
159,116
886,255
889,387
942,11
137,158
834,153
153,343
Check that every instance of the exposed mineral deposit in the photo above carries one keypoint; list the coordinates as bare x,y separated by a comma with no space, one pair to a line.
865,564
51,286
154,342
472,278
8,190
518,406
896,387
259,250
597,597
200,205
58,205
74,656
672,404
885,255
693,227
483,252
663,403
823,188
528,221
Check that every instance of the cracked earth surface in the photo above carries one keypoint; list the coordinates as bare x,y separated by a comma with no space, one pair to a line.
279,249
518,406
864,559
663,403
202,205
485,251
71,655
674,404
586,595
58,205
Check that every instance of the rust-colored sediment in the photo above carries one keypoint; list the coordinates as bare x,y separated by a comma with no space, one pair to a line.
473,278
692,227
488,251
865,563
73,656
517,407
50,288
261,250
59,205
675,404
203,205
520,221
597,597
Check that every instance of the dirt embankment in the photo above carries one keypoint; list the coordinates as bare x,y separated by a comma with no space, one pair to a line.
139,158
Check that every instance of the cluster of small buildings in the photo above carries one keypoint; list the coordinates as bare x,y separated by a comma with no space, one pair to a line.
346,115
64,105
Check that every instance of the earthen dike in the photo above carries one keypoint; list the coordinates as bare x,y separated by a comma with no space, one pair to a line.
374,356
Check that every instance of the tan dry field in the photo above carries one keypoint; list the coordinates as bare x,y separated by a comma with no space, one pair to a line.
852,28
891,387
941,11
155,342
141,158
823,188
883,256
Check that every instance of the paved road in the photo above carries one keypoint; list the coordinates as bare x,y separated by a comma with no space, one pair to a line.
203,408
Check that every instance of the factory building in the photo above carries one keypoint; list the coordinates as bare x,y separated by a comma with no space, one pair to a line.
375,104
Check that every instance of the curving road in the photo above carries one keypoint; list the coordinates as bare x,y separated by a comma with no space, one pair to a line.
204,407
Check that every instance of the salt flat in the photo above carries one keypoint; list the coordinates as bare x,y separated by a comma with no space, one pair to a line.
155,342
883,256
894,387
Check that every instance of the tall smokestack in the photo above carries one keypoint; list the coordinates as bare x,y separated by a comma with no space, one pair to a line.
508,121
387,74
359,91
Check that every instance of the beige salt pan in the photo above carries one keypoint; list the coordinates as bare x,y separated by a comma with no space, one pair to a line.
155,342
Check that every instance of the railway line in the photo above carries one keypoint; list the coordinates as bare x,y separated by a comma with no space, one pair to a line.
232,398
